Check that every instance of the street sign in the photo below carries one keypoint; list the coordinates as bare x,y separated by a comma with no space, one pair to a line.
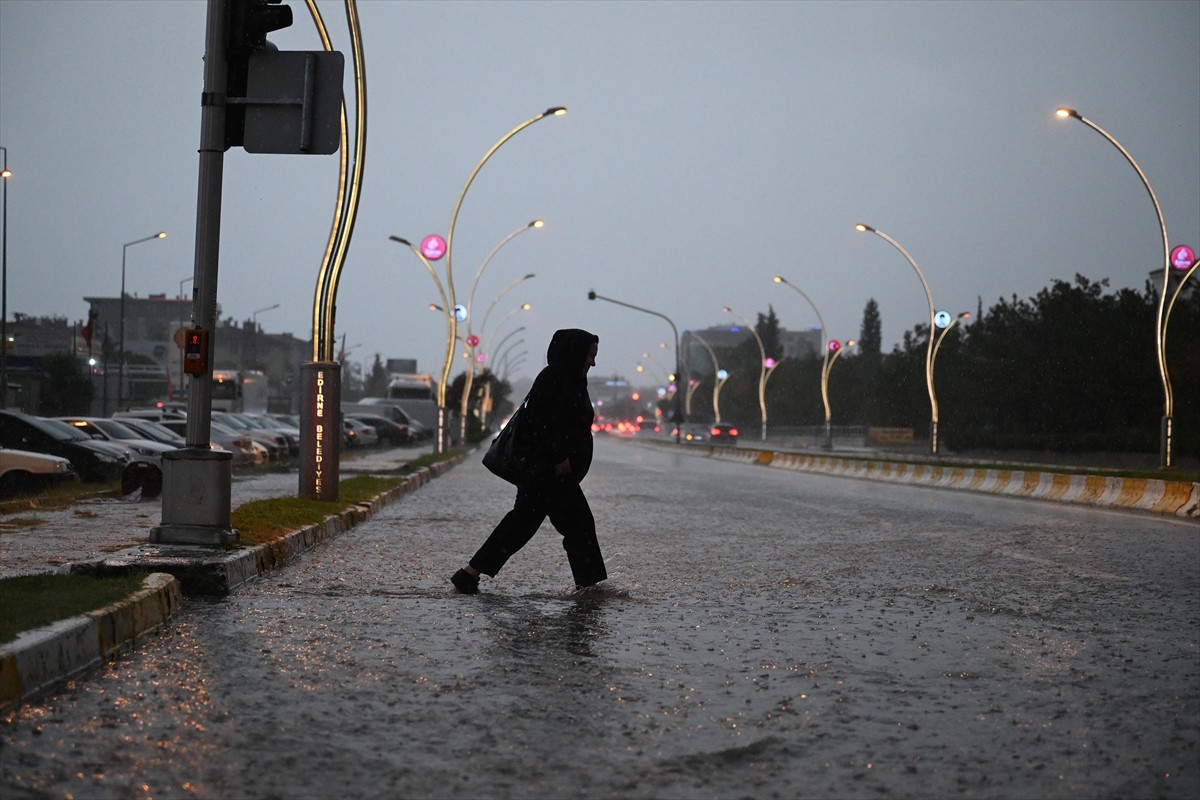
294,102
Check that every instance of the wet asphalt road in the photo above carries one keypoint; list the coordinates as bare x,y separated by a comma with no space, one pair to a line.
764,634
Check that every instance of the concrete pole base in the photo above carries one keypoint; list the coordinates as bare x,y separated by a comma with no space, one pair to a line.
196,498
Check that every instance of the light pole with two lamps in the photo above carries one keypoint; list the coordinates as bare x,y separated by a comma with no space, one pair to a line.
824,358
766,366
121,362
933,406
1163,317
448,295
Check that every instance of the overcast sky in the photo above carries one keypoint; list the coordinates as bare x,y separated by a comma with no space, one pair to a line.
708,146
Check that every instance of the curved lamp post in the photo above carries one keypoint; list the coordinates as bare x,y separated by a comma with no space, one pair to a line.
933,406
719,376
678,412
1162,319
450,297
938,345
121,366
469,376
766,367
5,174
833,349
824,359
254,332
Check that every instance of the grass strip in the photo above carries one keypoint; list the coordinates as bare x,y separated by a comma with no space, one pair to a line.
31,601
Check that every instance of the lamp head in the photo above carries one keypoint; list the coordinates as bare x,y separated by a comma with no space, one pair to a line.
779,279
6,173
527,277
861,228
404,242
161,235
727,309
557,111
526,306
537,223
1064,112
591,294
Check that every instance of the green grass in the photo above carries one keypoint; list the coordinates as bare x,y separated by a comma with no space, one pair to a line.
31,601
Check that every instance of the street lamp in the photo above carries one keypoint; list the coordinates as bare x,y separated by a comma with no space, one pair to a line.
962,315
5,174
824,359
835,347
254,332
469,375
121,366
719,377
1164,309
933,407
764,368
679,418
450,301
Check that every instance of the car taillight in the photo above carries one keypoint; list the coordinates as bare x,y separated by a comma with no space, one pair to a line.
733,431
715,431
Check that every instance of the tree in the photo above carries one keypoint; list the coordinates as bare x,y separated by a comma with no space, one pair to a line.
66,390
768,330
870,336
376,383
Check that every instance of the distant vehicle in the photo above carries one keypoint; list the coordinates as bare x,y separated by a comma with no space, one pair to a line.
276,443
391,432
236,442
23,471
157,414
146,470
94,461
396,411
241,392
360,434
648,425
723,433
290,433
410,386
154,430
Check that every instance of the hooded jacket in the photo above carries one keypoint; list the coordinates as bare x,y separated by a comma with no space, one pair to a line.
558,412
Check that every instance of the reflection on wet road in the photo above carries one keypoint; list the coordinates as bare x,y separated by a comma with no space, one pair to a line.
763,634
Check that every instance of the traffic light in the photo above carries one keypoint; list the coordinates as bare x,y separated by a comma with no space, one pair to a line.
195,352
249,23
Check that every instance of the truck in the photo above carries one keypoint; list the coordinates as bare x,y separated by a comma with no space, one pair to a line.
239,391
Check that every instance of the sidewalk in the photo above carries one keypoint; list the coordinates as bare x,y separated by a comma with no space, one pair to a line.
112,535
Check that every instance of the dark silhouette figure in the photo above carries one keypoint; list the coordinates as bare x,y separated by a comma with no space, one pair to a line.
556,424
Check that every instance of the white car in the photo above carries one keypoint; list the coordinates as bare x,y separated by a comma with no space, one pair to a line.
360,434
23,471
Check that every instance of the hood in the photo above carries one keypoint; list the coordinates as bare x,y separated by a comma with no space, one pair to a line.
569,348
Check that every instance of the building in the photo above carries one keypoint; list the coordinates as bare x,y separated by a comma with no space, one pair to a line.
725,339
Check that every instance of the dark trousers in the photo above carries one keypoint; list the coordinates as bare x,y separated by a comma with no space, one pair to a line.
563,502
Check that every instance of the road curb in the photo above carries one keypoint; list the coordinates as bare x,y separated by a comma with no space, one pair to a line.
42,659
38,660
1174,498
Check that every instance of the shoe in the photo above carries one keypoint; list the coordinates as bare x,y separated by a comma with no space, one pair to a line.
465,582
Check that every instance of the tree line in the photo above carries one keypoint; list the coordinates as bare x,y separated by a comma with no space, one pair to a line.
1072,369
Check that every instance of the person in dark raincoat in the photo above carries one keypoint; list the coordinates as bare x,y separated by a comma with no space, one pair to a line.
557,419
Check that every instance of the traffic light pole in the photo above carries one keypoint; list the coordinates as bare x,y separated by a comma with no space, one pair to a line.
197,480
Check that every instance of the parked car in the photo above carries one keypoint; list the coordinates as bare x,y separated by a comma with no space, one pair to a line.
111,430
241,445
723,433
146,471
359,434
290,433
22,471
391,432
275,443
93,460
153,414
154,430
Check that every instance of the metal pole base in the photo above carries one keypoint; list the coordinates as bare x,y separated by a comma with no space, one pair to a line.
196,498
